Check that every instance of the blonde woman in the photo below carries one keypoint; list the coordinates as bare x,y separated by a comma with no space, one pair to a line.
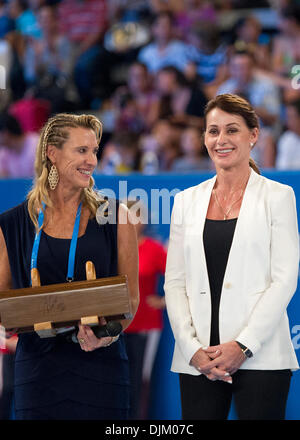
56,378
232,268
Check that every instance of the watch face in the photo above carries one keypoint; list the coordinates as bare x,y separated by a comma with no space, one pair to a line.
248,353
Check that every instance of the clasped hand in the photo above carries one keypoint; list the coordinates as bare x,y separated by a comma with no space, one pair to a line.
88,340
219,362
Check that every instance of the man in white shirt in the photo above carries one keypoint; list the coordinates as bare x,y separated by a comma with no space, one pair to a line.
259,90
165,50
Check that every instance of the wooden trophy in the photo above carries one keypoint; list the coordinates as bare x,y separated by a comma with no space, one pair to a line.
48,309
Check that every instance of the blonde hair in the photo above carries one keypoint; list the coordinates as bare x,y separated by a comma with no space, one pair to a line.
56,132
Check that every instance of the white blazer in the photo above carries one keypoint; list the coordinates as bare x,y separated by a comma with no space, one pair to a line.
260,278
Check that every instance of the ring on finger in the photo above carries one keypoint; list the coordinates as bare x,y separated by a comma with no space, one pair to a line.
81,340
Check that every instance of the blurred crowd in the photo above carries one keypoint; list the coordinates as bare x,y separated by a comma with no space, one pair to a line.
147,68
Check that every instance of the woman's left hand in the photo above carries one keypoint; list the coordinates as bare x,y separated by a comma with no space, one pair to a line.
230,359
88,340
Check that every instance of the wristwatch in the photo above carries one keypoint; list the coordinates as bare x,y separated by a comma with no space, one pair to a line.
247,352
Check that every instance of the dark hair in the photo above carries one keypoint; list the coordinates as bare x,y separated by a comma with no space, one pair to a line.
168,14
11,124
236,105
291,12
209,34
295,104
140,64
23,4
179,76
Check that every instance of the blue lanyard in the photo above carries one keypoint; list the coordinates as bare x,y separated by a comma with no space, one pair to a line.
73,245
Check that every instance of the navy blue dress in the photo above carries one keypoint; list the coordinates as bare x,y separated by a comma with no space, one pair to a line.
54,378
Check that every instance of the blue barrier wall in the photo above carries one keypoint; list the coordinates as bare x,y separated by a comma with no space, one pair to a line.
154,190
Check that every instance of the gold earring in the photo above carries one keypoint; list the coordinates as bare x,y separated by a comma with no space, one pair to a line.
53,177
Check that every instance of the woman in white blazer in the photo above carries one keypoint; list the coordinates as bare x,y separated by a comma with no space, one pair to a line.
232,268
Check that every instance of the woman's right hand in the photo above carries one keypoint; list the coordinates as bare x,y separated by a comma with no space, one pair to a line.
201,359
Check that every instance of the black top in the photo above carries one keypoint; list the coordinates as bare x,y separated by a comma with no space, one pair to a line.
49,371
217,239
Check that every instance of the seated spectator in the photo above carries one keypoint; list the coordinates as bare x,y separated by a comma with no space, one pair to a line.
120,154
193,157
263,95
84,23
207,57
165,50
164,141
17,150
179,102
25,19
135,102
31,113
288,147
128,10
249,36
286,45
260,91
48,61
193,12
158,6
6,22
26,27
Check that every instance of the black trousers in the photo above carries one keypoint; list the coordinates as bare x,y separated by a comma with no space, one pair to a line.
257,395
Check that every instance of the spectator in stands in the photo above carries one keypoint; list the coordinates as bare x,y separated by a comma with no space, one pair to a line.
128,10
249,36
6,29
52,53
179,102
288,147
164,141
6,23
48,61
120,154
25,19
263,95
193,12
207,57
84,24
194,158
17,150
165,50
26,27
257,89
159,6
138,94
286,46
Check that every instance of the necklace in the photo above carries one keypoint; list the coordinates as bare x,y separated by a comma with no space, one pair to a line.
226,213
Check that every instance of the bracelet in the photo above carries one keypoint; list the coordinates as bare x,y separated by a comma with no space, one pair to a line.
113,339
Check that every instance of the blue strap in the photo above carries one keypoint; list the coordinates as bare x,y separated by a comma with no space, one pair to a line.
37,238
73,245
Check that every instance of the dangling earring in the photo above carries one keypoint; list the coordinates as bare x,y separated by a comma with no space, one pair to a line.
53,177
